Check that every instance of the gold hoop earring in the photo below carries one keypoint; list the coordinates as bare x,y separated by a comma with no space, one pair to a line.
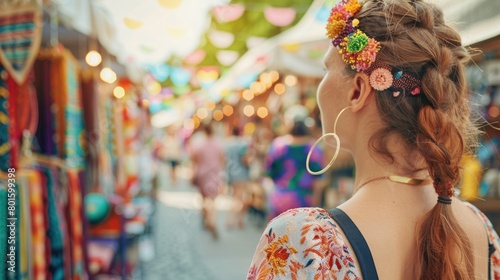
337,147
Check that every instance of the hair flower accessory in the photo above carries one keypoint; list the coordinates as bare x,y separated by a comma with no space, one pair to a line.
360,52
356,48
381,79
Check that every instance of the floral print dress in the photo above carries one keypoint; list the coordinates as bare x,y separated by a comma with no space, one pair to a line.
306,243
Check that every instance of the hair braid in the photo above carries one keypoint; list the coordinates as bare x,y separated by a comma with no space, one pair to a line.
414,37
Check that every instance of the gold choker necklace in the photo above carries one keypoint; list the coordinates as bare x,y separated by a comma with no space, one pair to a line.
396,179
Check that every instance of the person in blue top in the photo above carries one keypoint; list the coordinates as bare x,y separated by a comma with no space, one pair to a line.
238,157
394,95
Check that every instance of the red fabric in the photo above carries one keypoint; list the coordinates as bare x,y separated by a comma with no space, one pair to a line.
76,227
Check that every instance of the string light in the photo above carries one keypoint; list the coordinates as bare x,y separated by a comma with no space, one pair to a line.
279,88
218,115
108,75
262,112
119,92
210,105
265,78
202,113
248,110
196,122
274,76
257,88
93,58
290,80
248,95
228,110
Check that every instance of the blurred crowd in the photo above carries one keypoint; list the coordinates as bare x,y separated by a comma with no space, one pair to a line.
263,171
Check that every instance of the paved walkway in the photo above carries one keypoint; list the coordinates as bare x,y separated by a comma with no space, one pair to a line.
185,251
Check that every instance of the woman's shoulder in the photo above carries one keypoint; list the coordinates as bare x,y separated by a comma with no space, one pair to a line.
303,242
493,239
492,234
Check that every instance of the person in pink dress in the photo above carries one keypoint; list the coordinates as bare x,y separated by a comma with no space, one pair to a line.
208,164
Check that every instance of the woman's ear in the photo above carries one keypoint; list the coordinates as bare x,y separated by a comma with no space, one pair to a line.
359,96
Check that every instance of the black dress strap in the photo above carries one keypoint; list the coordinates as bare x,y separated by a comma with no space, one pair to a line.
358,243
491,249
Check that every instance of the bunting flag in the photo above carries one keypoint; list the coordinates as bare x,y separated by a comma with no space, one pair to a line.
20,36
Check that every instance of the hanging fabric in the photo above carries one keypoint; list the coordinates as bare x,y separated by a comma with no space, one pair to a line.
20,36
73,112
54,235
91,112
76,226
5,160
58,94
39,264
3,233
45,141
25,255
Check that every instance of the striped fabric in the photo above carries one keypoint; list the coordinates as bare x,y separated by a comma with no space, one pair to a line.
38,222
16,38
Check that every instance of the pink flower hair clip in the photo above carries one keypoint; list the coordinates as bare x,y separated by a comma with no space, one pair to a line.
384,77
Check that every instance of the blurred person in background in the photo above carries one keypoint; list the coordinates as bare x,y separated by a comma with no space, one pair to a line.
238,158
395,96
208,160
170,151
285,165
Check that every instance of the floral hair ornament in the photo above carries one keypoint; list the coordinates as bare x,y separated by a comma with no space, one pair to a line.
360,51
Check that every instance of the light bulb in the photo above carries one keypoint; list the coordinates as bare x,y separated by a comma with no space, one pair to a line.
108,75
93,58
262,112
119,92
248,110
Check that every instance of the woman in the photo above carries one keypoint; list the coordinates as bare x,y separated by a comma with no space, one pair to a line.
394,95
284,164
237,168
208,163
171,152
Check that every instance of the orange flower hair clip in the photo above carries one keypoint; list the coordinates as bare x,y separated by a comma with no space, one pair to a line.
360,52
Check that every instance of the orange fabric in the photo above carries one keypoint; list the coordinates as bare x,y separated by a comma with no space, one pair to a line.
76,225
38,227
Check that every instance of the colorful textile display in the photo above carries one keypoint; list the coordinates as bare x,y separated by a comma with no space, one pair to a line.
45,134
54,234
76,224
38,227
3,218
25,256
61,87
74,132
4,125
91,114
14,274
20,36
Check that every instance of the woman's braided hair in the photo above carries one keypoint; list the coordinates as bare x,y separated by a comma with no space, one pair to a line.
414,36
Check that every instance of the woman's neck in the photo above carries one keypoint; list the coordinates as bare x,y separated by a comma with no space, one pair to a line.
370,165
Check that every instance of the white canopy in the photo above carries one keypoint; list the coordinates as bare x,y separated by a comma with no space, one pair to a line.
310,31
140,32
